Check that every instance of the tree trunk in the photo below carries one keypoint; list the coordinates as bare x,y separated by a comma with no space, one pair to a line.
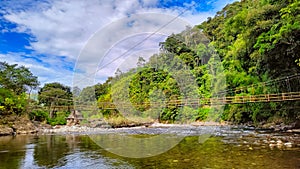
51,110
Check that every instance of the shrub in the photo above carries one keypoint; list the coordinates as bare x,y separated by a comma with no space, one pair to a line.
60,119
11,103
187,114
203,113
38,115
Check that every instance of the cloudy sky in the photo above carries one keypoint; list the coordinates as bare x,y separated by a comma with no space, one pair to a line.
55,38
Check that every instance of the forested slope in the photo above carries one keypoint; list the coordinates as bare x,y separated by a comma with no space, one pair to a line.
252,41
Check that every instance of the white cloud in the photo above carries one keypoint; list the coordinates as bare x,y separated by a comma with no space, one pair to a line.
142,28
112,60
63,27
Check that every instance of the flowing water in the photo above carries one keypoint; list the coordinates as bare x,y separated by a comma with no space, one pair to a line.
229,149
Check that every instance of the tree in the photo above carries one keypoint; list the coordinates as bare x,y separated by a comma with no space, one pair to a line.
53,95
17,78
76,91
118,73
14,82
102,89
141,62
87,95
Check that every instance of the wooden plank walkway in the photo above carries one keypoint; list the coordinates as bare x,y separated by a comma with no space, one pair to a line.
210,101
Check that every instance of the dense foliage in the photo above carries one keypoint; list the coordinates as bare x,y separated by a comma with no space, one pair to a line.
16,78
14,82
252,41
257,41
58,99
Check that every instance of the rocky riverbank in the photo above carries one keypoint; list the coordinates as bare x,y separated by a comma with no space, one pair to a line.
280,137
257,139
14,125
246,137
22,125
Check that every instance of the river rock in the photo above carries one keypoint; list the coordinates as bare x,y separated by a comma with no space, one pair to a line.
296,130
288,144
293,131
272,145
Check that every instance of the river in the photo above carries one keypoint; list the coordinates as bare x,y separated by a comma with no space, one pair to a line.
224,148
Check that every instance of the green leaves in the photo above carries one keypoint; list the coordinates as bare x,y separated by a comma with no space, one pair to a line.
11,103
16,78
53,95
283,31
257,41
14,82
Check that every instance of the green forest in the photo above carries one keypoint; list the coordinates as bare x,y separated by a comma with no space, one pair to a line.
246,43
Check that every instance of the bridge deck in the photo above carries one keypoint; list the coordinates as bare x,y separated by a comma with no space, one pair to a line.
193,102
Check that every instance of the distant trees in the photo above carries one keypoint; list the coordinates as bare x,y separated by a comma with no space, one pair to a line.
53,95
14,82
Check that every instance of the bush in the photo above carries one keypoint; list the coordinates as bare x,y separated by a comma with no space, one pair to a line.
11,103
203,113
38,115
60,119
187,114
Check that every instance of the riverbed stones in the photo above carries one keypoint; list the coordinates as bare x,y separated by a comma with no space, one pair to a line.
272,145
293,131
288,144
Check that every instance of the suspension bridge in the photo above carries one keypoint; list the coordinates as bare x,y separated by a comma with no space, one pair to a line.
278,90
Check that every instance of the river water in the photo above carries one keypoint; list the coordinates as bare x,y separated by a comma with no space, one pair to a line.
222,148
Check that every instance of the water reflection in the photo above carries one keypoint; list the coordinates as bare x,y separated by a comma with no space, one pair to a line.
12,151
51,151
136,146
73,151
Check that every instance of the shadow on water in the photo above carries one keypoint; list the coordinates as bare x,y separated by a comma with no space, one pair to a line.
76,151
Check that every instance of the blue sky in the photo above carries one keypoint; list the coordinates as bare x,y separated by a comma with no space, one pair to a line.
47,36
